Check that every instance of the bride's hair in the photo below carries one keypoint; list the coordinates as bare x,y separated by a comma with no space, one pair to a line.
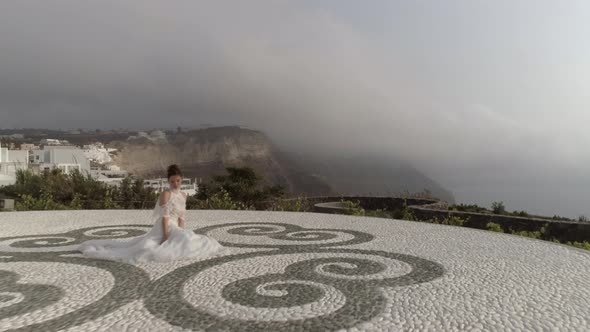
174,170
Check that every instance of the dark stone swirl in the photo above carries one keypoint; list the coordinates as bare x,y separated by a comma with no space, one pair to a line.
78,236
130,282
298,285
363,298
298,235
32,294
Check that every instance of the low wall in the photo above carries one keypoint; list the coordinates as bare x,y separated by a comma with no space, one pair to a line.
367,202
330,207
561,230
425,209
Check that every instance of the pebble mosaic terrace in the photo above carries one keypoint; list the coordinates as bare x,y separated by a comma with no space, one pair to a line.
288,271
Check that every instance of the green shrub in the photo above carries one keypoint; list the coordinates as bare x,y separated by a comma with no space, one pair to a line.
380,213
494,227
498,208
582,245
455,220
300,204
399,213
242,184
221,200
556,217
540,234
76,203
468,208
192,203
407,213
55,190
534,235
108,199
353,208
520,214
448,220
45,202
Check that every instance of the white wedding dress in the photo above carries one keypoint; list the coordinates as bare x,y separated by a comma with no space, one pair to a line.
181,243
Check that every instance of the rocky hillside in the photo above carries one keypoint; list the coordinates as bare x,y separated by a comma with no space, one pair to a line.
371,175
204,152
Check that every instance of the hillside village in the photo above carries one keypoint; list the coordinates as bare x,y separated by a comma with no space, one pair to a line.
94,159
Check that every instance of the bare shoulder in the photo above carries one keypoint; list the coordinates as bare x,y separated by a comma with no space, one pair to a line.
164,197
184,194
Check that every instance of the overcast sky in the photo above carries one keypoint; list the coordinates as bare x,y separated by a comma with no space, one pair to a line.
489,98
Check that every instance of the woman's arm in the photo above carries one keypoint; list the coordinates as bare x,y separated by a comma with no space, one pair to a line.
164,197
165,228
181,218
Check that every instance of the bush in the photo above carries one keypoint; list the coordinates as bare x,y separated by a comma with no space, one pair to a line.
222,201
534,235
300,204
582,245
379,213
520,214
242,184
494,227
54,190
76,203
192,203
540,234
353,208
468,208
556,217
449,220
400,213
498,208
406,213
108,199
425,193
45,202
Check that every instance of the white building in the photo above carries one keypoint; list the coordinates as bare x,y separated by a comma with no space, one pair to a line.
64,158
27,146
158,185
6,180
156,136
10,162
111,177
98,153
13,136
50,141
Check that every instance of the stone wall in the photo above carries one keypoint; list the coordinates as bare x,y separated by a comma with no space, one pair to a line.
561,230
425,209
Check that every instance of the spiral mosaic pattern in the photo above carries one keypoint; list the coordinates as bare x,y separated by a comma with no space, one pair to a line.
289,272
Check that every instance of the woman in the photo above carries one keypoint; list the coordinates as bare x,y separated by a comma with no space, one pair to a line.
166,241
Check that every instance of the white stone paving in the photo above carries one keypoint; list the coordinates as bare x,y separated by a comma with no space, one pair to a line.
491,282
82,284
